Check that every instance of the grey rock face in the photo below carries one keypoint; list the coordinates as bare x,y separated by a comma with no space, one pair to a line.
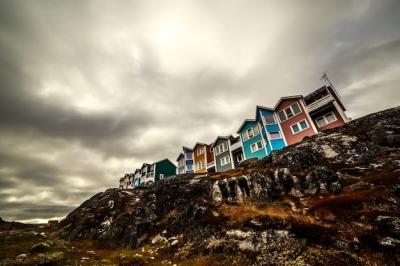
233,212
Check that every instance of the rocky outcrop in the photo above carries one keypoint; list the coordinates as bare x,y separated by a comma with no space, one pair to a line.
333,198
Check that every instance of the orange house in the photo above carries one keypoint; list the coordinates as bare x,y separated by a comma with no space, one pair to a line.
203,158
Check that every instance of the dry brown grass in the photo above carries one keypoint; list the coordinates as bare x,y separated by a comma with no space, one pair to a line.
245,212
344,201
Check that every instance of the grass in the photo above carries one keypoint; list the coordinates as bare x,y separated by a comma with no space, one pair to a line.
242,213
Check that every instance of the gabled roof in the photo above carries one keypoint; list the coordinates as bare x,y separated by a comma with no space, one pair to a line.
259,107
137,170
166,159
287,98
198,143
220,137
186,148
180,155
145,164
244,123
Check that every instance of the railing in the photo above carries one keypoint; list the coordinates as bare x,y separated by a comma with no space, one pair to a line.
236,145
209,165
320,102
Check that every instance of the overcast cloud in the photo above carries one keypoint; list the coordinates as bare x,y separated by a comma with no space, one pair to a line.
91,89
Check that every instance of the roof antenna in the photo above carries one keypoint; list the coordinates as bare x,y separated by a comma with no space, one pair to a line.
325,78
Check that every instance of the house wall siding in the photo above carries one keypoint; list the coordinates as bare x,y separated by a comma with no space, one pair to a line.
199,158
218,166
286,125
166,168
246,144
338,123
275,144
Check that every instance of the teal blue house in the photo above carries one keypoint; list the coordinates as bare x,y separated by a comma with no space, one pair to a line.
262,135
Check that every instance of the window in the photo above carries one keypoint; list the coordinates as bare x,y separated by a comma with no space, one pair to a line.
225,160
161,176
250,132
326,119
274,135
282,116
199,165
330,117
244,136
289,112
256,146
300,126
269,119
200,150
303,124
221,148
188,155
225,145
296,108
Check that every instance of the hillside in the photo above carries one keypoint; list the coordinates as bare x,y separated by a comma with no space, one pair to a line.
332,199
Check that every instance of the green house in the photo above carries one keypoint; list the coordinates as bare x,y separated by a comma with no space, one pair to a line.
163,169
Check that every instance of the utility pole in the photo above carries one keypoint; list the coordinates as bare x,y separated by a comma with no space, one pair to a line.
325,78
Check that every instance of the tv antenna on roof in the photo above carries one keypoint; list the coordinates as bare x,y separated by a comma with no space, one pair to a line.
325,78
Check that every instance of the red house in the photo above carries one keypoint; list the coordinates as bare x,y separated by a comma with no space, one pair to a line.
304,116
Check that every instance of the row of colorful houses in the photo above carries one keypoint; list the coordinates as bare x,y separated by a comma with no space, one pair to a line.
271,129
148,174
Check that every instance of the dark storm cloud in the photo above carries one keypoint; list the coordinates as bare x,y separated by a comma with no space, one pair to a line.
90,90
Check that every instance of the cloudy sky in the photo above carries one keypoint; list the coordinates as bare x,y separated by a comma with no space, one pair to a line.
91,89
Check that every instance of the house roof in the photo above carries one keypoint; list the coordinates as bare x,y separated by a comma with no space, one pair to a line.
179,156
287,98
144,164
320,90
186,148
244,123
258,107
165,159
220,137
199,143
137,170
315,93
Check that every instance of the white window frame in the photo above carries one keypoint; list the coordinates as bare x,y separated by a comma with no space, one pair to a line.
245,134
200,151
283,112
221,148
252,132
225,160
270,137
199,165
298,124
256,146
325,119
291,110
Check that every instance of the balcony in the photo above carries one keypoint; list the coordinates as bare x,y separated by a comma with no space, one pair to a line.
210,165
236,145
320,102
